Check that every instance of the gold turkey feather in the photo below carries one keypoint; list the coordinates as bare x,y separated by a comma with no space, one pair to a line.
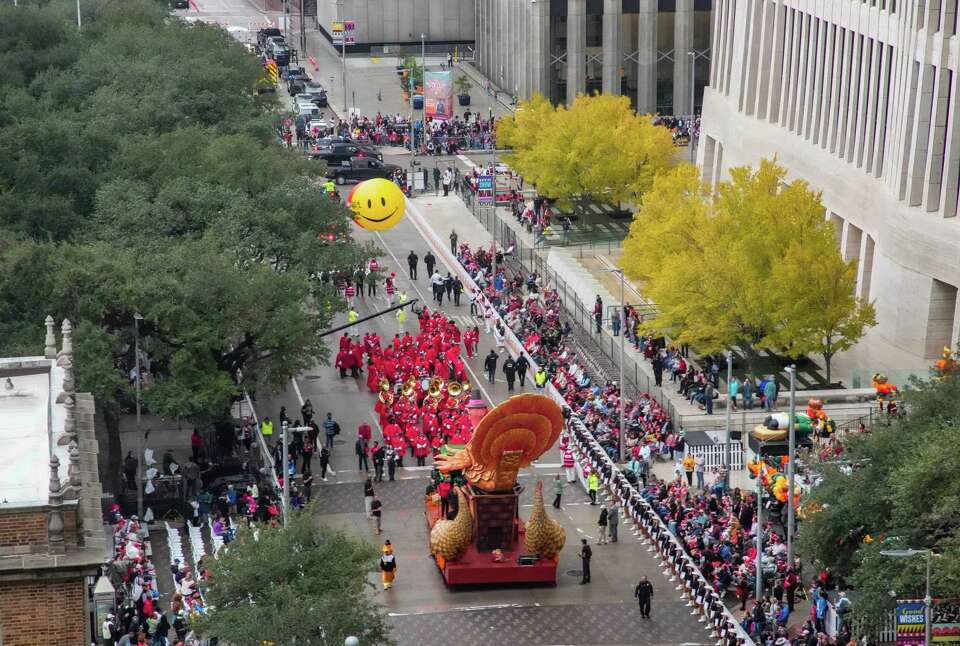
544,536
450,538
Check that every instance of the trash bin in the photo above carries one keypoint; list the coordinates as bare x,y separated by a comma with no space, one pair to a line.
418,102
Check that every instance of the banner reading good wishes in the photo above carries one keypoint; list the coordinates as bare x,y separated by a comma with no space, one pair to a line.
438,95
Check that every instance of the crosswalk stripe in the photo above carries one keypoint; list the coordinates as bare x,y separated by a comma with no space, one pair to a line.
466,160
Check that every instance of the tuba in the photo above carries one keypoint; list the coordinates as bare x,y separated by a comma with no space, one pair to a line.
465,390
384,385
410,388
454,389
386,398
435,390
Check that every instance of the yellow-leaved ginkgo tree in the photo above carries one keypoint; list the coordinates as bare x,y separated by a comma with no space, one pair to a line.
754,264
598,150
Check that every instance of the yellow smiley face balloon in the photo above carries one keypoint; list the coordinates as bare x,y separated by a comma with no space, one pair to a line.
377,204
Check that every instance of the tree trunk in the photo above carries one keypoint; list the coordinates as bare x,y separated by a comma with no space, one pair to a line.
111,452
828,356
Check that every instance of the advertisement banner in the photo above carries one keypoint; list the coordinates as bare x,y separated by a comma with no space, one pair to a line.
909,620
438,95
485,189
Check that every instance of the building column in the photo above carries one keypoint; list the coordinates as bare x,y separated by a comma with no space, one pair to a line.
576,48
540,50
647,57
612,45
682,43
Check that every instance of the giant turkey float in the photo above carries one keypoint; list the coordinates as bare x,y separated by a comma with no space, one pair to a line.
486,541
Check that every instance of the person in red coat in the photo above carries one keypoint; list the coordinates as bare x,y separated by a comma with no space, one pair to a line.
342,362
364,431
421,449
345,342
357,350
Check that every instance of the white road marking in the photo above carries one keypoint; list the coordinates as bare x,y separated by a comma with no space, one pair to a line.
466,160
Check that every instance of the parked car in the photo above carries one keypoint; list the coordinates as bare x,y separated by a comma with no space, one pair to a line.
320,125
295,86
264,34
341,151
306,109
359,169
180,4
279,52
316,91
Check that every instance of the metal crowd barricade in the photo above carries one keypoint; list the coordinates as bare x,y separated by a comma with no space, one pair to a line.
705,601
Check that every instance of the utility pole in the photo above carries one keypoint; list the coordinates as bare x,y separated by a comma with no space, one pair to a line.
693,71
623,391
303,31
78,15
791,469
136,351
758,591
286,472
726,447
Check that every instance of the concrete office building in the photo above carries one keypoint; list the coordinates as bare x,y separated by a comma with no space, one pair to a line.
639,48
383,26
859,99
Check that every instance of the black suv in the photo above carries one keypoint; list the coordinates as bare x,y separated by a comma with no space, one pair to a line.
343,151
316,92
359,169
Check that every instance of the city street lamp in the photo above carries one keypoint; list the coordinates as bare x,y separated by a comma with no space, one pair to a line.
726,447
623,392
137,317
791,467
927,599
693,92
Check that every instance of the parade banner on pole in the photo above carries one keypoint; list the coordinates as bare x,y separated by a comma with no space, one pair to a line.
485,189
438,95
910,624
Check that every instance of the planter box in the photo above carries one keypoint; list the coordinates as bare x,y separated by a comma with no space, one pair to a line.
463,99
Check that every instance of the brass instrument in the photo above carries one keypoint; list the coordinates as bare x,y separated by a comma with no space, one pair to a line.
435,390
465,392
454,389
384,385
386,397
410,388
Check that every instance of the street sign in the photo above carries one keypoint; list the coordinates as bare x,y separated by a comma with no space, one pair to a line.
342,32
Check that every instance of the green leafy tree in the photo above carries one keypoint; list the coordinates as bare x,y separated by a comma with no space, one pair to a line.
133,180
298,585
901,492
